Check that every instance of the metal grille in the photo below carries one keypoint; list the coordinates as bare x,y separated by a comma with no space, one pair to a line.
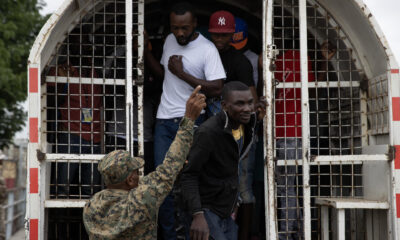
66,223
335,115
378,110
86,95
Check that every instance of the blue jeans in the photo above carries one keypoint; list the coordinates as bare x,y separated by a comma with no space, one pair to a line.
164,134
290,212
220,228
89,179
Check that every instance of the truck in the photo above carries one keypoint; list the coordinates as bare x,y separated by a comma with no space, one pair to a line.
343,180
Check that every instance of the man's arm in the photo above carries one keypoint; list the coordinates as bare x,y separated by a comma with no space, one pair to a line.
327,53
162,179
210,88
155,67
198,157
244,72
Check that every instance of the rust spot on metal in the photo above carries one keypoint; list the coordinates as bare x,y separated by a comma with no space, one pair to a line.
364,83
41,156
392,153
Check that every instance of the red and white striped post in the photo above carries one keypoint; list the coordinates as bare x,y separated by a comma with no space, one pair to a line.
33,203
394,93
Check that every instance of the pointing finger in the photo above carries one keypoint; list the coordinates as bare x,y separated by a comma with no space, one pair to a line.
195,91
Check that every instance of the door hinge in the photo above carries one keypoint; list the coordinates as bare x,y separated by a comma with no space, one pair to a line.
272,52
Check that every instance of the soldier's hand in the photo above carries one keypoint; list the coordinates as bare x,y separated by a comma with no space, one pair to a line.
195,103
199,228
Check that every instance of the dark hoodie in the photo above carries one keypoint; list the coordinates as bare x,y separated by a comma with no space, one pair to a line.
210,179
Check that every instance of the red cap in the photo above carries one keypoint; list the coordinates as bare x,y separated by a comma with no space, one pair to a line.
222,22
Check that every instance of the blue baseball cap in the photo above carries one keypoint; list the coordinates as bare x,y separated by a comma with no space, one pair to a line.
239,38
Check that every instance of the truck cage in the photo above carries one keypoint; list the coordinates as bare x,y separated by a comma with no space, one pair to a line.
338,177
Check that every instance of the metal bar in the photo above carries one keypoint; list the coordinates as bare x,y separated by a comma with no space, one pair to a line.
369,225
330,84
76,80
13,204
352,203
140,76
341,227
65,204
305,119
15,189
351,158
10,215
128,89
324,223
57,157
269,171
16,216
315,163
353,224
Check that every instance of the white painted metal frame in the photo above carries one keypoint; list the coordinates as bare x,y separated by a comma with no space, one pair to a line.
339,205
305,119
128,86
351,158
269,169
140,76
335,84
37,203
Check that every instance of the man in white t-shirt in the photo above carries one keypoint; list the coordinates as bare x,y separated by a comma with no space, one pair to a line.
188,60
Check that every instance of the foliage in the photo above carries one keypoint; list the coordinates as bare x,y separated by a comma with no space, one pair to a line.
20,22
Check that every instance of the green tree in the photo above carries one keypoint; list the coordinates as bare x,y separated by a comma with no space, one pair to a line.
20,23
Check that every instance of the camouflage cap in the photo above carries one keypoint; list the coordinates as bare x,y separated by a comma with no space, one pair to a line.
116,166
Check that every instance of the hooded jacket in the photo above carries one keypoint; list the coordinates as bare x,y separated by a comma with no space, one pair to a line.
210,179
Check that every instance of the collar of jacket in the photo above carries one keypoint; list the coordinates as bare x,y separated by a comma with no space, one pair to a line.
227,125
248,128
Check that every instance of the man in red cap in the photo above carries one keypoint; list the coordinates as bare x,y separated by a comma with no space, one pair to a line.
236,65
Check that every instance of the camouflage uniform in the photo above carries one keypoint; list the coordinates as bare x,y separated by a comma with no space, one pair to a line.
121,214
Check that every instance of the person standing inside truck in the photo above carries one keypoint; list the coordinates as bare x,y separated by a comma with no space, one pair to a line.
127,209
247,165
210,180
188,60
288,133
236,65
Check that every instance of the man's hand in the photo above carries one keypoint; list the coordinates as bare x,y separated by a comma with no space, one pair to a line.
260,107
260,61
195,104
199,228
175,65
327,51
146,40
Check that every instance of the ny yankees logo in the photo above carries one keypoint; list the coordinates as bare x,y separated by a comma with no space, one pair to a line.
221,21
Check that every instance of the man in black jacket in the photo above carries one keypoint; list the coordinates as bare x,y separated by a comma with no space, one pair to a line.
210,180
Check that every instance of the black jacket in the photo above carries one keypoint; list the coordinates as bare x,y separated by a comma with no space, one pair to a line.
210,179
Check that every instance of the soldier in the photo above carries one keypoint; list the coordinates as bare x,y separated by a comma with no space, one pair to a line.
128,208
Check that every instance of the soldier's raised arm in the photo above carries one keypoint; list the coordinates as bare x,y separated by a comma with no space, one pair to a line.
162,179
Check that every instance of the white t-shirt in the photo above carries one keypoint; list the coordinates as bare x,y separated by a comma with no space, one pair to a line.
253,58
200,59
